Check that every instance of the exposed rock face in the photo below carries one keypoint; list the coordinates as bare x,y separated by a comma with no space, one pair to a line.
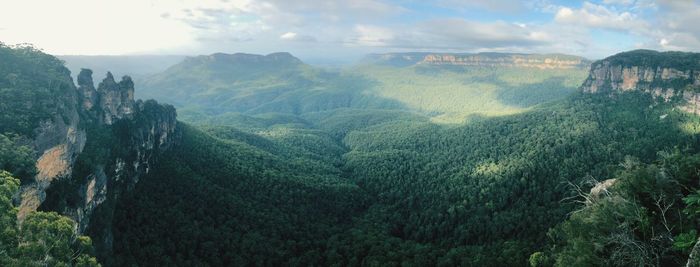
545,61
86,88
58,142
600,189
515,60
667,75
139,131
148,128
694,257
116,99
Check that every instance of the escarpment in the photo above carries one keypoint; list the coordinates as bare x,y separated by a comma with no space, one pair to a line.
95,151
539,61
507,60
667,75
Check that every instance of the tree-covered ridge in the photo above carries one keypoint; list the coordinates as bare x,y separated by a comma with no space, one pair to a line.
33,87
481,194
279,83
649,58
254,84
339,175
454,93
231,202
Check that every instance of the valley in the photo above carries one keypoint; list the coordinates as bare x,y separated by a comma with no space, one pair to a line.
268,161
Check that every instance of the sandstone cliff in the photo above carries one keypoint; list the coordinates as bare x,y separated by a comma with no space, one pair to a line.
97,149
540,61
507,60
668,75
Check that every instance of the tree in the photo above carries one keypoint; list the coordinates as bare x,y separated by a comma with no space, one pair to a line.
8,217
44,238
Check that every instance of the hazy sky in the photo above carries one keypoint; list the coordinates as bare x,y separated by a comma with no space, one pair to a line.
341,29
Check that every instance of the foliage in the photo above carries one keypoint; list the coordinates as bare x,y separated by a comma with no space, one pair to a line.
685,241
421,192
16,158
639,222
655,59
8,217
43,239
452,93
33,87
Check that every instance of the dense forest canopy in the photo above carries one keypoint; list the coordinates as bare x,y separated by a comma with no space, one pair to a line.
281,163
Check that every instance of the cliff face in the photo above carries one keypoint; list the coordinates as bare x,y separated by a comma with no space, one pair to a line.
669,75
540,61
507,60
94,152
116,100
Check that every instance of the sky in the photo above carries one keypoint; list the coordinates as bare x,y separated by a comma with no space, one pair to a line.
347,29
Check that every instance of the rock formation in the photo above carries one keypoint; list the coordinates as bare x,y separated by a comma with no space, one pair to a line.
116,100
668,75
139,131
543,61
507,60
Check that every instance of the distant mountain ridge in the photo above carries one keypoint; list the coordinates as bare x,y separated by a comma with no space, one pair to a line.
248,83
541,61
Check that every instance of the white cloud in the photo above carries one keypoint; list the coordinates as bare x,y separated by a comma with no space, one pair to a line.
293,36
369,35
288,36
91,27
599,16
618,2
346,27
499,6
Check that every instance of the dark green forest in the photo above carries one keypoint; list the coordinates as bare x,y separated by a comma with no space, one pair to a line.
293,179
399,191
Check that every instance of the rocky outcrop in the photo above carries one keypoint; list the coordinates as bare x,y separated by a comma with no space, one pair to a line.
668,75
86,88
143,130
134,133
694,257
116,100
540,61
57,141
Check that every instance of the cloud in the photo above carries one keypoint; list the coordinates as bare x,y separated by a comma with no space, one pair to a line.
341,27
498,6
619,2
599,16
91,27
293,36
677,25
450,34
369,35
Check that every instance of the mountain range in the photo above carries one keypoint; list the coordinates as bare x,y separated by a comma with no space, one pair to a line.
410,159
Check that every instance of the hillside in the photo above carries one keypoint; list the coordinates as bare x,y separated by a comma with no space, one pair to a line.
426,189
254,84
74,151
343,178
452,87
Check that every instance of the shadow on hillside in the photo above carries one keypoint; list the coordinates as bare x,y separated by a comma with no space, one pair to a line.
528,95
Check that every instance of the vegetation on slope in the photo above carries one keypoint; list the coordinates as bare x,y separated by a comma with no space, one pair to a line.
251,84
452,93
397,191
33,87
